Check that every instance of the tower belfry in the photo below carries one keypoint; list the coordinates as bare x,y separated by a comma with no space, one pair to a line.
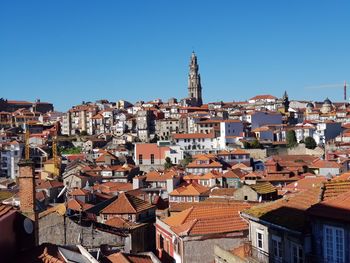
194,82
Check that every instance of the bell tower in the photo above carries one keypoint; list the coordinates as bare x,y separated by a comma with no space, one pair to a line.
194,82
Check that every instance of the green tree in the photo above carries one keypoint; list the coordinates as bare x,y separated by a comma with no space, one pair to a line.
255,144
168,163
291,139
186,160
70,150
310,143
246,145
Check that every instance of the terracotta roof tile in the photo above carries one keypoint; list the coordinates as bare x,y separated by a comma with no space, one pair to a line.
192,189
207,219
337,208
306,183
263,188
129,258
78,205
194,135
333,189
289,212
127,204
119,222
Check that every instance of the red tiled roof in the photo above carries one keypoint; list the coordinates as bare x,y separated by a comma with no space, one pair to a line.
79,192
263,97
325,164
289,212
208,219
337,208
193,135
159,177
121,257
78,205
342,177
103,156
119,222
306,183
127,204
335,188
192,189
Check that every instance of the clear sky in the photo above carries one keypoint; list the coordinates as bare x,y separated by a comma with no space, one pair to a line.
67,51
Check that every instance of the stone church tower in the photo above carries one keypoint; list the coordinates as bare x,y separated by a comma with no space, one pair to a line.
194,82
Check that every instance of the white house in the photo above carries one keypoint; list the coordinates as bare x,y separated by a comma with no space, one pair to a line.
197,142
230,132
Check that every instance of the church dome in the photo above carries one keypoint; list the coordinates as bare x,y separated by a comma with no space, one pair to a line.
327,102
309,105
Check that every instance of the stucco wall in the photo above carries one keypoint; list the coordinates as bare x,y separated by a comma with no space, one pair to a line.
203,250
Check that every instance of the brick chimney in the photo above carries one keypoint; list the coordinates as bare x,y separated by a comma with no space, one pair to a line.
26,181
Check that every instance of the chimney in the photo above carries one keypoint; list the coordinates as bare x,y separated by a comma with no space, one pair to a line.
26,181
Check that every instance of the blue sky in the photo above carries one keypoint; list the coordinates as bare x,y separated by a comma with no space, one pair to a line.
69,51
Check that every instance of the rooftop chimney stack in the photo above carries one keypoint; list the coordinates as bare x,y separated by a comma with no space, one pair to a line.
26,181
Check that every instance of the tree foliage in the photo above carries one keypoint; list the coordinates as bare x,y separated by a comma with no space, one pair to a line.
168,163
186,160
310,143
70,150
252,145
291,139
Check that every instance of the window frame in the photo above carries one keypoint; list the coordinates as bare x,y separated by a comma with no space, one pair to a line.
277,247
298,257
334,255
260,232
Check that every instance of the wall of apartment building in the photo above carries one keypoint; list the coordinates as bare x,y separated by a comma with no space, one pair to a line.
224,256
60,230
202,250
254,228
259,119
245,193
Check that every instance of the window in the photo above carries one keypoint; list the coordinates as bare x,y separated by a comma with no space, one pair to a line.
297,253
333,244
277,248
259,239
140,159
152,158
105,217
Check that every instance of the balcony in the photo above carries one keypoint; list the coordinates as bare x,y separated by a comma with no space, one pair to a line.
255,255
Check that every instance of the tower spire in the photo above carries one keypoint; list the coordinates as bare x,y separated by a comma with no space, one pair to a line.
194,82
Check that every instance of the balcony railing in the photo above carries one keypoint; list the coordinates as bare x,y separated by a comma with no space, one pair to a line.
255,254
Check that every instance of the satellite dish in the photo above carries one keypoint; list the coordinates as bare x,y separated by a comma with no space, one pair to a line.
28,226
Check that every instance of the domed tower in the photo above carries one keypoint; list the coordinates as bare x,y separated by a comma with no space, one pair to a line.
309,107
326,106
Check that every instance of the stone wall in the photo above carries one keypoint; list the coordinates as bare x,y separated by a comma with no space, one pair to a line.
257,153
301,149
61,230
